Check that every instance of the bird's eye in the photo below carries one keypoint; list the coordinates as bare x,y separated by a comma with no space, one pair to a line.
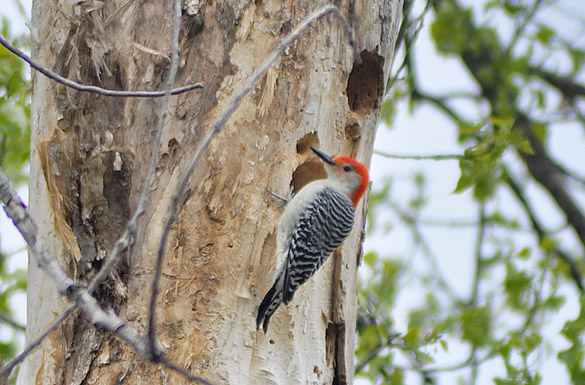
347,168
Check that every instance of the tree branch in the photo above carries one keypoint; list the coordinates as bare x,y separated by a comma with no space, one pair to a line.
85,88
421,242
478,254
12,322
108,321
521,27
546,172
440,103
566,85
421,157
462,365
475,285
7,367
176,6
540,231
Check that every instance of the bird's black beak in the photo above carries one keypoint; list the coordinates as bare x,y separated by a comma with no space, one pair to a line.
326,158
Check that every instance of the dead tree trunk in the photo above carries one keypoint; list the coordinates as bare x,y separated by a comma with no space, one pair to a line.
91,152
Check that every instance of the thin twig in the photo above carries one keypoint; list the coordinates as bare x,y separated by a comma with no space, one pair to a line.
478,254
421,157
409,40
440,103
17,251
12,322
475,285
389,342
219,124
165,360
162,117
568,86
16,210
7,367
125,239
495,222
522,25
421,242
542,234
469,361
404,28
532,312
108,321
545,171
572,174
371,355
21,9
98,90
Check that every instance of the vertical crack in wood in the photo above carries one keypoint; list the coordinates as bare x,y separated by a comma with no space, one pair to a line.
335,335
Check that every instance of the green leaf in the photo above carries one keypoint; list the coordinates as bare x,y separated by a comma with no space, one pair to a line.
444,345
524,253
573,357
471,129
388,111
541,131
449,30
503,381
397,377
13,120
531,342
548,244
412,338
479,174
501,121
423,358
577,57
370,258
467,176
476,325
504,349
517,286
554,303
545,35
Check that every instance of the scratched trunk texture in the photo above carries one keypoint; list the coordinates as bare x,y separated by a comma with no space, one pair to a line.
90,155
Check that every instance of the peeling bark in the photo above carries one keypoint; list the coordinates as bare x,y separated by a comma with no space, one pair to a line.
90,156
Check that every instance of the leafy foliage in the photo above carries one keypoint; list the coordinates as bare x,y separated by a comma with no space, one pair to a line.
526,270
14,111
14,154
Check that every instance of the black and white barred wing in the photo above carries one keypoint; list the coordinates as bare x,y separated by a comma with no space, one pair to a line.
320,230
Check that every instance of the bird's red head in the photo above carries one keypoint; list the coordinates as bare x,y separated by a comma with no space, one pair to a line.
352,173
361,170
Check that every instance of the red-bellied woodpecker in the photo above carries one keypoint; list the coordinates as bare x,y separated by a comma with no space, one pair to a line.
315,222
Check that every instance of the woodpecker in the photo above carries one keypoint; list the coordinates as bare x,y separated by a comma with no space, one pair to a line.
315,222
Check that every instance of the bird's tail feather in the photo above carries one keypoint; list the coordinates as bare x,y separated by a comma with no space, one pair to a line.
270,303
